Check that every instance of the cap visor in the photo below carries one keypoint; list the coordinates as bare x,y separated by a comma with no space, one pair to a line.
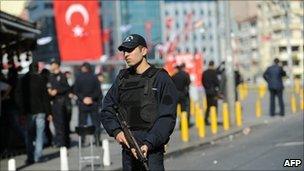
126,46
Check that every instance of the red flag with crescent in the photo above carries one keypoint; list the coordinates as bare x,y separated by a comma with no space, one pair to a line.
78,30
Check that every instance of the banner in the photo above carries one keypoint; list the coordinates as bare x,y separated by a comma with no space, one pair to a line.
194,66
78,30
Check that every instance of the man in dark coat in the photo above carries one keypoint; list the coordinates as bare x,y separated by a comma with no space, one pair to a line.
87,89
182,81
149,98
32,99
211,85
273,75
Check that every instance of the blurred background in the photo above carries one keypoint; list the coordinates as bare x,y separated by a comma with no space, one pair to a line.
174,29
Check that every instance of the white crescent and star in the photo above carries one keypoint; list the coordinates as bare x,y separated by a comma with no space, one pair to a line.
79,8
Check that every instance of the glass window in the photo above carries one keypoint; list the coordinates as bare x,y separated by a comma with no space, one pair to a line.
295,48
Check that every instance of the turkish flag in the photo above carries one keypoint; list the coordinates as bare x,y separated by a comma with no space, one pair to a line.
78,30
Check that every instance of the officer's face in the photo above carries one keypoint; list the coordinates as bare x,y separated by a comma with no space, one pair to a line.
54,66
135,56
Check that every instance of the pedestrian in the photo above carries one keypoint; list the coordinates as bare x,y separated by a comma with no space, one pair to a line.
211,85
273,76
32,99
87,90
149,97
58,90
223,79
181,79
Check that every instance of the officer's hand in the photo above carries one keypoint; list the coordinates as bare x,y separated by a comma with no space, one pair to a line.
53,92
121,139
144,150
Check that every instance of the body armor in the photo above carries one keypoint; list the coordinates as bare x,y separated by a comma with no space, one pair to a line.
138,98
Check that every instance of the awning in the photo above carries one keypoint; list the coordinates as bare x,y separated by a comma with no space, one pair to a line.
17,34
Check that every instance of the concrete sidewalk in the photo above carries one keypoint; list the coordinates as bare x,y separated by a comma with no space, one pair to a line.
175,146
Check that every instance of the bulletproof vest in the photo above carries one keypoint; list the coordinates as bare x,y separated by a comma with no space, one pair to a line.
138,99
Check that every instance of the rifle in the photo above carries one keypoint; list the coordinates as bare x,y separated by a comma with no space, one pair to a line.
119,112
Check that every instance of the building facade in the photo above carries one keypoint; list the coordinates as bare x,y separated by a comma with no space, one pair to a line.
195,25
280,24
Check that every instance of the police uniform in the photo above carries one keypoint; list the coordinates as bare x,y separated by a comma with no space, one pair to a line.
150,101
60,115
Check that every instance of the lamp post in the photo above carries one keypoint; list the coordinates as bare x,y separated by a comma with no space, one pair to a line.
230,83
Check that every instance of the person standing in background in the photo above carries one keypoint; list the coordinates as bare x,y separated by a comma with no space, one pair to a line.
87,89
33,101
58,90
273,76
211,85
181,79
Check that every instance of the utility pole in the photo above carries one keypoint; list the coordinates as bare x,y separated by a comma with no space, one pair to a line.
229,68
288,35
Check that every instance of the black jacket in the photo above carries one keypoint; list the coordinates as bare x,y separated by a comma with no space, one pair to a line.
87,85
164,124
182,81
210,82
32,96
60,83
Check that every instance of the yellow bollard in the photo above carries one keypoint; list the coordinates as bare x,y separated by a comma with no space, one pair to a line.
258,110
241,91
262,90
184,127
245,87
197,113
301,99
297,86
201,127
293,104
238,111
192,107
213,120
204,104
225,117
178,110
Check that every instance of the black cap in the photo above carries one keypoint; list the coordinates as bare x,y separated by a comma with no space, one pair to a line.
131,42
56,61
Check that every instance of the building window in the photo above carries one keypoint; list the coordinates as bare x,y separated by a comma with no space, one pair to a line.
295,62
48,5
211,37
295,48
187,50
209,13
282,49
284,63
211,49
204,49
202,12
166,13
203,37
177,25
176,12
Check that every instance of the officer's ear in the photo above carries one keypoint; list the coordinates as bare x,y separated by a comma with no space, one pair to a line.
144,50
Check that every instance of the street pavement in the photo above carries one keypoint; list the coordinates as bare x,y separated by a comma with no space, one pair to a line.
264,147
174,148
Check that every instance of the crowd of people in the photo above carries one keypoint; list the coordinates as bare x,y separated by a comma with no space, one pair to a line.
30,103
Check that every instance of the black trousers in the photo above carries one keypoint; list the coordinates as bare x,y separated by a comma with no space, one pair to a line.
61,123
155,161
83,116
211,101
185,106
279,94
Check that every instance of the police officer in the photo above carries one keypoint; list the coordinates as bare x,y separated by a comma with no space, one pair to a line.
149,97
182,82
58,90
